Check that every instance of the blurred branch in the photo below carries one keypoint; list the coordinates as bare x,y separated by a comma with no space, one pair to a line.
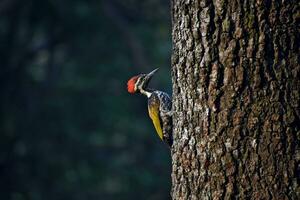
132,40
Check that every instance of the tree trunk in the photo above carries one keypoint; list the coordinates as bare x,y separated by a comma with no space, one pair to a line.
235,73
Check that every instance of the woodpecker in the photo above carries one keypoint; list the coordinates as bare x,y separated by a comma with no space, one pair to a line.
159,105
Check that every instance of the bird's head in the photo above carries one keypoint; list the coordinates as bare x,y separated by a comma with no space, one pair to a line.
139,82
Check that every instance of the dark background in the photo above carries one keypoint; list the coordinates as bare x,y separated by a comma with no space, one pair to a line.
69,129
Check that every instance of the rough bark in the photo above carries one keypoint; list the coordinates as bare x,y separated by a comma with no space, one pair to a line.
235,73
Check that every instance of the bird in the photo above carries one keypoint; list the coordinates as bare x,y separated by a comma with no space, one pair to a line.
159,105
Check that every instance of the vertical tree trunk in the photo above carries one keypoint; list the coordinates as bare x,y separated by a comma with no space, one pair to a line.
235,71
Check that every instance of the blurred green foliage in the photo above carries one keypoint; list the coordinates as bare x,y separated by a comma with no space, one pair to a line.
68,128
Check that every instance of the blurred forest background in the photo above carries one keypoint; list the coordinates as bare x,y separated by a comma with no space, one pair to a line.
69,129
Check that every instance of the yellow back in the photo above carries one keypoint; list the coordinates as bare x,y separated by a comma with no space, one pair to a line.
154,115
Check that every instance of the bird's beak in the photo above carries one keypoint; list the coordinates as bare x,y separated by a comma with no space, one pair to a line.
148,78
151,73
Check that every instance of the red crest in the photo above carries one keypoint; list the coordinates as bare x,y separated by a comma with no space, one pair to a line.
131,84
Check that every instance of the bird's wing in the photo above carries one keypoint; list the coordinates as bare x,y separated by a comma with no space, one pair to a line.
153,109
